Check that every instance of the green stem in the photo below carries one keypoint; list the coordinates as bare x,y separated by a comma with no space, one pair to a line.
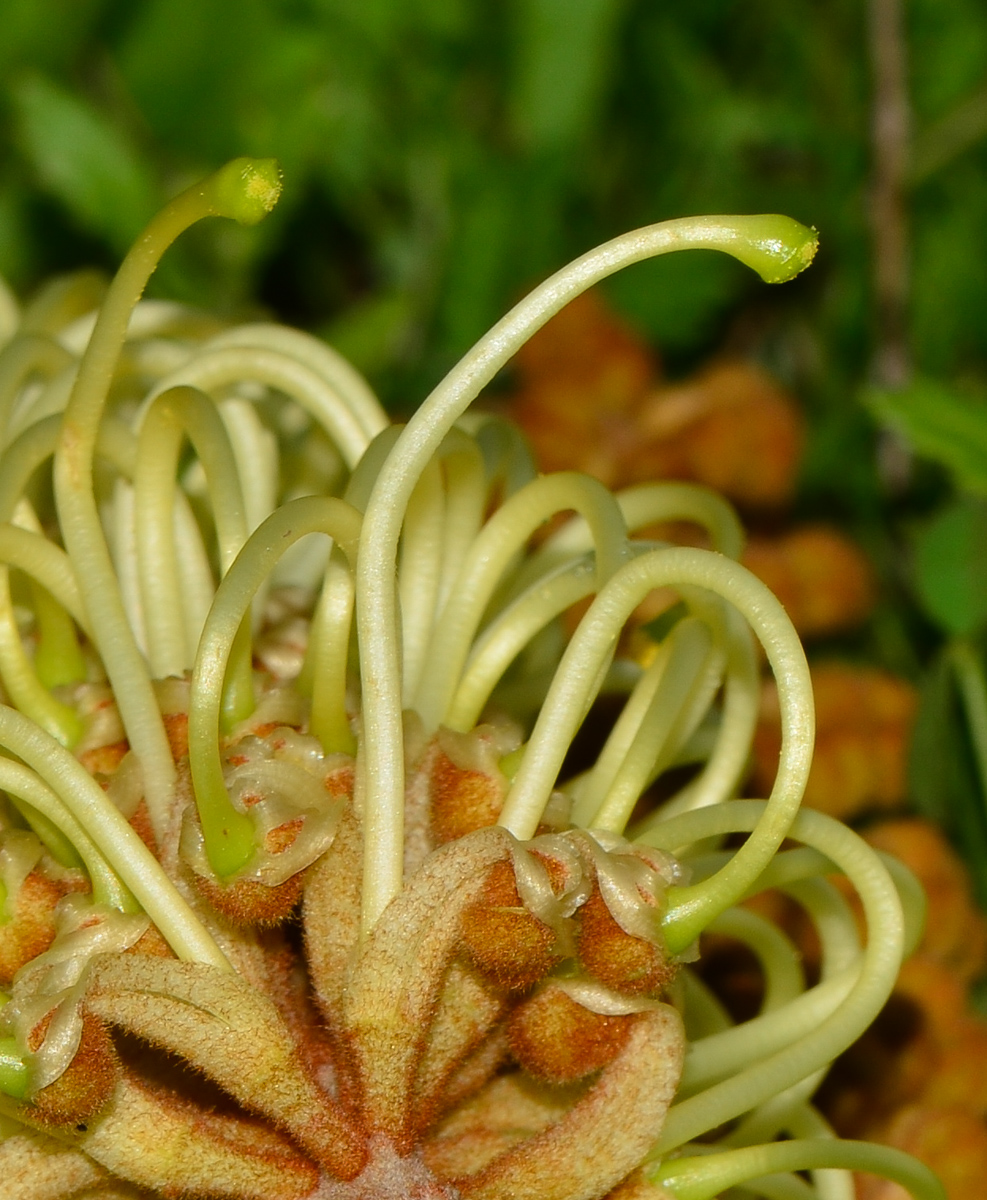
58,657
14,1077
244,190
26,786
780,962
343,380
197,582
643,505
498,542
777,247
445,512
26,355
419,575
212,370
49,834
717,1057
30,449
726,766
973,692
645,729
175,414
329,645
258,460
229,833
690,908
510,631
21,681
506,452
361,483
703,1177
467,496
816,1041
45,563
785,1113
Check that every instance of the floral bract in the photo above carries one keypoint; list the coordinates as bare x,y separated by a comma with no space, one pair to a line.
300,895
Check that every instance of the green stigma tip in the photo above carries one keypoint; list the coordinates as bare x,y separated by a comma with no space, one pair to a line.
246,189
776,247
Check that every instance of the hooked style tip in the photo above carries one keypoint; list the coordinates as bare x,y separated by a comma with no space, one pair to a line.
778,248
246,189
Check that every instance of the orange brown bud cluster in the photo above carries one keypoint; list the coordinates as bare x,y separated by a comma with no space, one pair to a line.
31,930
582,376
504,941
555,1033
465,784
558,1040
731,427
627,964
246,902
822,578
863,722
463,799
590,397
86,1083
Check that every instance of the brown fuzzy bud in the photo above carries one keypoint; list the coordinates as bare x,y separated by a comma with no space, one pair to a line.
86,1083
462,800
560,1041
467,786
152,943
104,760
505,942
247,902
32,929
616,958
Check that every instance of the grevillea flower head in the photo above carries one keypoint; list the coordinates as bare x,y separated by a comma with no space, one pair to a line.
300,897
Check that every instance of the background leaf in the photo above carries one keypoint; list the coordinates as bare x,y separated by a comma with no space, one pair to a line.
942,771
563,50
941,423
951,566
86,161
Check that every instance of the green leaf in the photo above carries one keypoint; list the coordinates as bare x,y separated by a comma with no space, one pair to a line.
15,247
86,161
195,67
933,732
951,566
44,33
472,292
942,424
564,49
942,772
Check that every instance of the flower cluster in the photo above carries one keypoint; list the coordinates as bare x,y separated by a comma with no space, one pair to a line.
302,896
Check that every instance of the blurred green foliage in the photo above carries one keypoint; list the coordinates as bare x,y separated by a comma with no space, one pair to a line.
947,557
942,423
440,154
